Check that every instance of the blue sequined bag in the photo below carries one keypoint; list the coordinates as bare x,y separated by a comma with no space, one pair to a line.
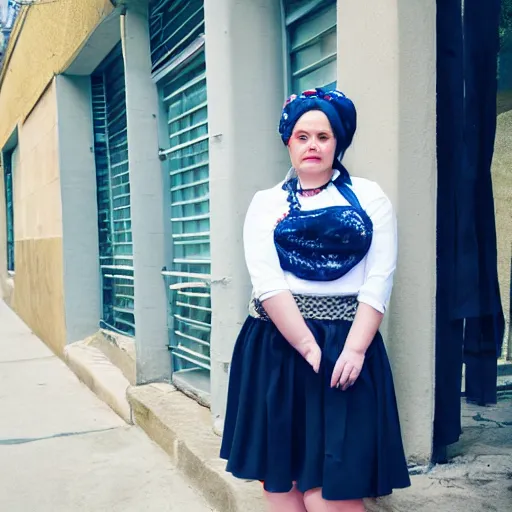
323,244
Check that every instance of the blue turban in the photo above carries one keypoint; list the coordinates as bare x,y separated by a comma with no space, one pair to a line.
339,109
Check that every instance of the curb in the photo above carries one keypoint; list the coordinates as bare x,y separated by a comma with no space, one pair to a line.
102,377
183,429
119,349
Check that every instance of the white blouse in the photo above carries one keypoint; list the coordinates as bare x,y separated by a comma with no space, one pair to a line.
371,280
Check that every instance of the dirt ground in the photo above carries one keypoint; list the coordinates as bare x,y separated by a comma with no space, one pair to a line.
479,475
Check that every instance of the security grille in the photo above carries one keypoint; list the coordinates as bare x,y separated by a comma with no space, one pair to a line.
113,193
311,35
173,26
8,158
178,57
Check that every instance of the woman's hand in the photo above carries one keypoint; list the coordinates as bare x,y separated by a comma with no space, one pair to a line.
347,368
284,313
310,351
363,330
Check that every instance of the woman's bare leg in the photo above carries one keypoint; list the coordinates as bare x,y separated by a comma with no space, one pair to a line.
315,503
292,501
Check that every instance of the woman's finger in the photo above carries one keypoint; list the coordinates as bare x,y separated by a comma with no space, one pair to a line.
354,374
314,358
317,360
336,373
347,370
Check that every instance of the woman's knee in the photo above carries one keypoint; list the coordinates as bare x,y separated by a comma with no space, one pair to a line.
316,503
292,501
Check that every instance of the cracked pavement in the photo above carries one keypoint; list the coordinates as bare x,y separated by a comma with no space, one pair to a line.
62,449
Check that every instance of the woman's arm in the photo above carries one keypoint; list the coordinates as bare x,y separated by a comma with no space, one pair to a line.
268,279
374,293
284,313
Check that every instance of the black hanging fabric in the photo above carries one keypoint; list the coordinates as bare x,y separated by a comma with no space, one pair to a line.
469,317
482,305
450,143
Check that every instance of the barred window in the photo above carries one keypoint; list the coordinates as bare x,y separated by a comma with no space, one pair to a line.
9,164
177,50
311,39
113,193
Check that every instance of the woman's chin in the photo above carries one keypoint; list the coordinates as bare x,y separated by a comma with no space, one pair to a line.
313,168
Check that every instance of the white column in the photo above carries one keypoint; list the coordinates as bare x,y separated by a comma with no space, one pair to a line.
147,198
387,65
245,80
82,295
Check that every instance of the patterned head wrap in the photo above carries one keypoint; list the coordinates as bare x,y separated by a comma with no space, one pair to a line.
339,109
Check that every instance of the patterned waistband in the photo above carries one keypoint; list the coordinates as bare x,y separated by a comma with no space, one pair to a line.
315,307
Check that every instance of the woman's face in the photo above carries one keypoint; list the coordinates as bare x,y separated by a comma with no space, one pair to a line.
312,144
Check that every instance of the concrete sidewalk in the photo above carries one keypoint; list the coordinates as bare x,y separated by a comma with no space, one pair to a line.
64,450
478,478
61,449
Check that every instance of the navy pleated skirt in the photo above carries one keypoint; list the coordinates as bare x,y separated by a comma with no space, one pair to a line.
285,424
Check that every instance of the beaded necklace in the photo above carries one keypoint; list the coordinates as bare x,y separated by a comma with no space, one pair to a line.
308,192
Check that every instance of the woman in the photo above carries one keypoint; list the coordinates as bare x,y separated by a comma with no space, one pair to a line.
311,405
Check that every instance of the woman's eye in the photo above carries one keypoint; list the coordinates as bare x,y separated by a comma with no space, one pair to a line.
302,137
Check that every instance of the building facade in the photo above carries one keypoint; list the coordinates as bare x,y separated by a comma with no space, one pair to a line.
134,134
9,10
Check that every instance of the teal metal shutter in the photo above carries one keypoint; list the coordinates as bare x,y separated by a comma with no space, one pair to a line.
174,26
113,193
177,45
311,36
8,158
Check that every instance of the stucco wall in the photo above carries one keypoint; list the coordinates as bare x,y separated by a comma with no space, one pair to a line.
502,184
38,282
45,40
393,86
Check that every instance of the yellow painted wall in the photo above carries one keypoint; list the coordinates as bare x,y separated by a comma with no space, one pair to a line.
38,284
37,200
46,38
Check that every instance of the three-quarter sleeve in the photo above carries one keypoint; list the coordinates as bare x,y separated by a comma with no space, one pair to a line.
381,258
261,257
